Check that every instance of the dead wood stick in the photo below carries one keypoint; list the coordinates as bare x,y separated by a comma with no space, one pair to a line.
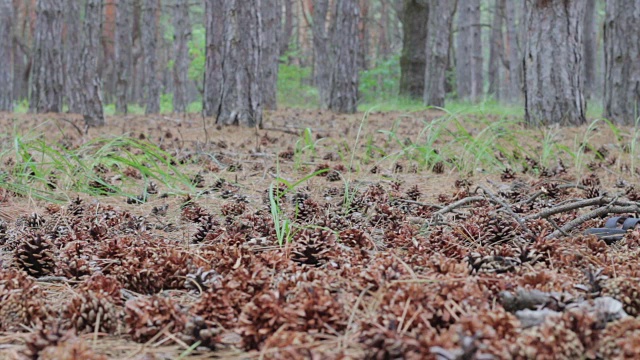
535,195
601,200
459,203
601,211
505,206
284,130
419,203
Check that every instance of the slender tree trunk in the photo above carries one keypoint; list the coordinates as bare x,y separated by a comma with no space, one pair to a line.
437,50
237,100
513,91
6,55
73,77
124,44
496,53
270,51
214,21
91,85
322,62
412,61
622,62
589,46
287,29
149,47
554,84
343,97
46,78
364,35
182,35
469,75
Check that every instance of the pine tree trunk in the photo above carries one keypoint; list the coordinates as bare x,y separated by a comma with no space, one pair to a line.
469,76
124,45
270,51
287,29
343,96
513,77
412,61
214,23
590,48
73,77
6,55
322,63
91,85
496,50
237,98
363,58
149,46
554,84
182,35
622,62
47,85
440,22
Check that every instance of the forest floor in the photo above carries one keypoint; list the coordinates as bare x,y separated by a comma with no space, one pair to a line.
381,235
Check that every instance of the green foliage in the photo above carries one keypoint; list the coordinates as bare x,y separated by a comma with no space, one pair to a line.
166,103
380,82
48,171
294,89
197,53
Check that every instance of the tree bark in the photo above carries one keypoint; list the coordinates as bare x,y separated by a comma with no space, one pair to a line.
237,98
554,84
182,35
73,77
412,61
124,45
270,51
590,48
343,97
469,76
46,78
513,77
622,62
287,29
321,61
6,55
437,50
496,52
91,84
149,47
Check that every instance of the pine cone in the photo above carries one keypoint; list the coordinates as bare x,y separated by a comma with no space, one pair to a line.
97,302
334,176
197,329
438,167
356,238
72,349
147,316
21,301
414,193
307,210
34,254
45,337
209,229
313,248
624,289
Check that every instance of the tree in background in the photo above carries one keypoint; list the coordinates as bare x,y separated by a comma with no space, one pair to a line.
589,47
270,46
554,80
72,53
622,61
234,74
512,82
91,104
46,75
343,95
321,60
412,61
469,59
149,27
123,56
437,50
181,37
6,55
496,49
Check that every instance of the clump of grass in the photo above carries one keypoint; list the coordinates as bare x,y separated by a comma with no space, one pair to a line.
50,171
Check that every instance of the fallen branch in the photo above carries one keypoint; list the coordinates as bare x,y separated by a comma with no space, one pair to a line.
505,206
459,203
601,211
